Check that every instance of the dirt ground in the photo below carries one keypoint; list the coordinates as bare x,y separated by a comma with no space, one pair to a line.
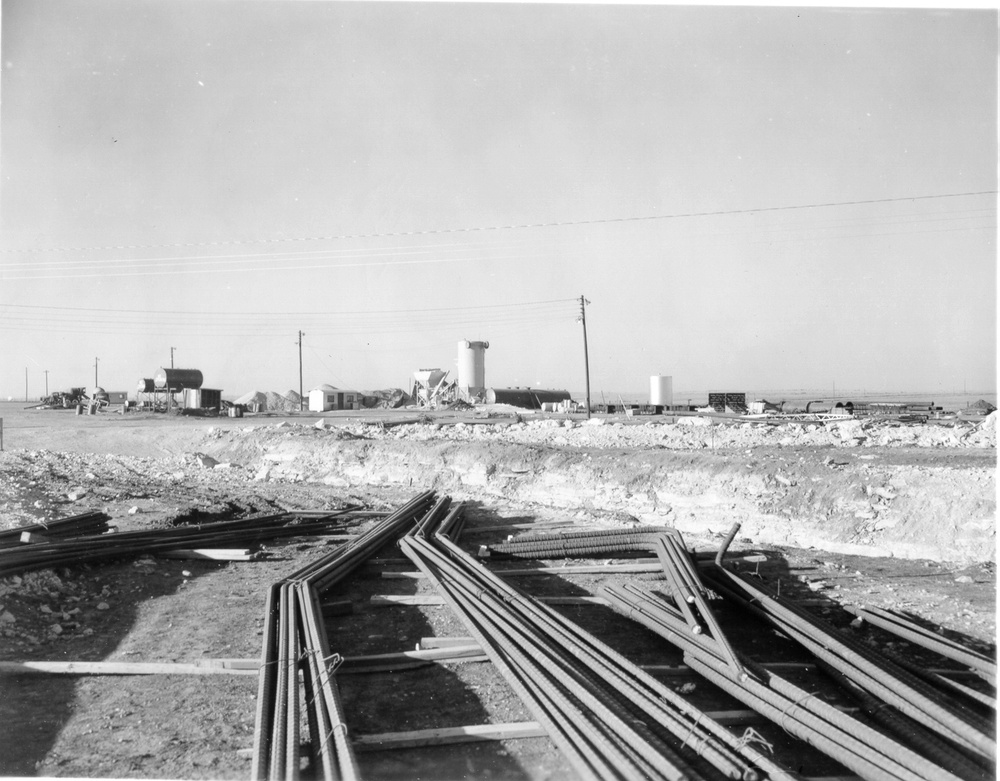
886,515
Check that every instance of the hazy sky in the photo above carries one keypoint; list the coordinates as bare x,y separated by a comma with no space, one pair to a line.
748,197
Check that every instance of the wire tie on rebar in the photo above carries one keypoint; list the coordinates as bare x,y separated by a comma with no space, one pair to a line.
753,736
694,726
793,704
332,667
338,726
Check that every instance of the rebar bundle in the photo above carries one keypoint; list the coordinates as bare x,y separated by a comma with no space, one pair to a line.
295,644
73,526
856,744
608,717
96,547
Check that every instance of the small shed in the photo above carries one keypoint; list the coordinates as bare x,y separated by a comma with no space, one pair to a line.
202,398
326,398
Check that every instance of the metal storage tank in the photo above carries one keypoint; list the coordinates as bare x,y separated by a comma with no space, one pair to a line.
472,366
177,379
145,385
661,391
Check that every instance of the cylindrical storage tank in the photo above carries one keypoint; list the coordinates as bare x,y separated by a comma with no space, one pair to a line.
661,391
177,379
472,366
145,385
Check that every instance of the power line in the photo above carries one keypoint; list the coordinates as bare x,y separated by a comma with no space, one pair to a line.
516,226
323,313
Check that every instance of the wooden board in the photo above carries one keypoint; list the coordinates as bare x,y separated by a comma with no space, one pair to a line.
395,600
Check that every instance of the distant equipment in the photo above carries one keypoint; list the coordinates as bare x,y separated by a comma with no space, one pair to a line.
177,379
202,398
728,402
472,367
527,398
431,387
661,391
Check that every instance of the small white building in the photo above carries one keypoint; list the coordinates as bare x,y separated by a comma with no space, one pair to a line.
326,398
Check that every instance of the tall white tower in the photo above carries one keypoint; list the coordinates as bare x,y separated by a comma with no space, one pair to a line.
472,367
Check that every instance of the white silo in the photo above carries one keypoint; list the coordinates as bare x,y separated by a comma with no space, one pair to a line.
661,391
472,367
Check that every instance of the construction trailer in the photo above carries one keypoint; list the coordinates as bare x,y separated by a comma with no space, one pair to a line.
327,398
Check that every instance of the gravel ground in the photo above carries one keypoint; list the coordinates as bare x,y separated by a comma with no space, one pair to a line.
901,517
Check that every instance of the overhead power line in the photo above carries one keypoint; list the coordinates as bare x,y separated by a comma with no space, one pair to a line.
299,313
513,226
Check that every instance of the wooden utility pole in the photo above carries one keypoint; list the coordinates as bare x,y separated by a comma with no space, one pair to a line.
46,381
586,355
96,384
25,384
300,372
172,357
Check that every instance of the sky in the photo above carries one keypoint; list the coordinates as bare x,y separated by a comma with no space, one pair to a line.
746,197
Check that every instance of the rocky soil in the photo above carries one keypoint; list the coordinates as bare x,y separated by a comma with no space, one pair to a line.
900,516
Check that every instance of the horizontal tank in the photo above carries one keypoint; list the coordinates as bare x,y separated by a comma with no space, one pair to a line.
177,379
145,385
526,398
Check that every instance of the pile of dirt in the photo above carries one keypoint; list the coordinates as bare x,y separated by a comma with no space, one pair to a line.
386,398
252,399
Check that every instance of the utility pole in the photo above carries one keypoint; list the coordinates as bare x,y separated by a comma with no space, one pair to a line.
25,384
586,354
96,384
300,371
46,381
172,357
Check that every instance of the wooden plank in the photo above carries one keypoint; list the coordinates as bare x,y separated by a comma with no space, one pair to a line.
122,668
444,642
507,731
539,525
449,735
214,554
395,600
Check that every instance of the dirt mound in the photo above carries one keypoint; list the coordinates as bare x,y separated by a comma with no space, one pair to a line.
918,503
278,403
386,398
254,397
